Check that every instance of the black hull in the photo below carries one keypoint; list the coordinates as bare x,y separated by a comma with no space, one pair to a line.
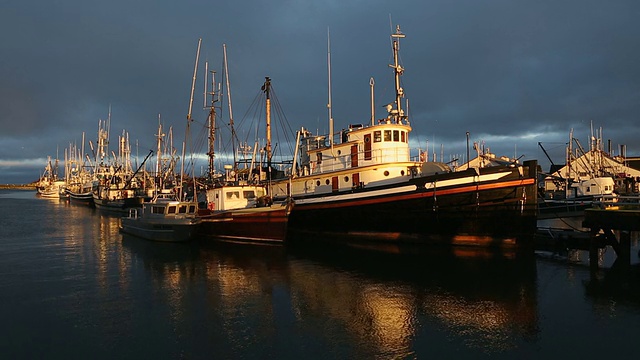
118,206
499,213
81,199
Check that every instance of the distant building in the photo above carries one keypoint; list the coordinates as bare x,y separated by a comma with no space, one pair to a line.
596,163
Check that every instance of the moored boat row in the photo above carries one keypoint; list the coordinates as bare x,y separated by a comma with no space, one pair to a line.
363,183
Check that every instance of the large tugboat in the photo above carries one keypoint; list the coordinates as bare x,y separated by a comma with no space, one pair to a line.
366,186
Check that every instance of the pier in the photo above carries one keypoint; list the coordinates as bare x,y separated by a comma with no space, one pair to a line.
604,220
609,222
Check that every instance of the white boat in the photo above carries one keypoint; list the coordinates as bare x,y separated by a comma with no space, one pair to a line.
164,218
49,185
53,190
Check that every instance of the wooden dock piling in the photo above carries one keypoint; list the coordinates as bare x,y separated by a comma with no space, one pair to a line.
603,222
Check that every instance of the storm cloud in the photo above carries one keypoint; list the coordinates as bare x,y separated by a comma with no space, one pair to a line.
511,73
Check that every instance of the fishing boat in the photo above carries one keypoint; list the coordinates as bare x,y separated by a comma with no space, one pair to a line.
49,185
165,218
78,176
366,185
115,187
238,206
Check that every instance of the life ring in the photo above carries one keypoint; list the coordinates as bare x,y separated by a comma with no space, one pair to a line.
211,205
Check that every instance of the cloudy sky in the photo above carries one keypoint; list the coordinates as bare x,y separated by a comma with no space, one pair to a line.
511,72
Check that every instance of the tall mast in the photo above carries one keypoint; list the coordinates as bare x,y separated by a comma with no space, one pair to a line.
372,83
189,120
398,113
211,120
329,85
159,156
233,130
267,90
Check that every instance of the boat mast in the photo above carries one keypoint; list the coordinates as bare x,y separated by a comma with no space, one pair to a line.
212,119
397,114
233,130
189,120
159,158
329,86
267,90
372,83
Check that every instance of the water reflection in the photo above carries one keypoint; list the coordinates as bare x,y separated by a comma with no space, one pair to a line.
375,303
614,287
487,302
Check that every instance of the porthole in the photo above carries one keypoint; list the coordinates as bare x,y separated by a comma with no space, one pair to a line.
402,173
339,152
318,183
386,173
346,179
326,181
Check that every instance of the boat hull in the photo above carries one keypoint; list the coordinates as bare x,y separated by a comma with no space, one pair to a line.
442,209
81,198
118,205
177,231
266,225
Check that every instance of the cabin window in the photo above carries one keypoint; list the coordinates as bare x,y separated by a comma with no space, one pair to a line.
249,194
192,209
182,209
233,195
403,136
171,210
387,135
157,210
377,136
319,158
396,135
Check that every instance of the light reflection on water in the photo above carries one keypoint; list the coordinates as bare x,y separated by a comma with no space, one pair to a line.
92,291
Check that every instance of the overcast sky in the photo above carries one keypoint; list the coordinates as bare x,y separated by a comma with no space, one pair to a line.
511,72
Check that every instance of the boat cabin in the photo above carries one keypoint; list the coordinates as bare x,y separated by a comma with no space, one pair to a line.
234,197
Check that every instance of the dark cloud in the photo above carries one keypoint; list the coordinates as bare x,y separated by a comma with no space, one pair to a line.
512,73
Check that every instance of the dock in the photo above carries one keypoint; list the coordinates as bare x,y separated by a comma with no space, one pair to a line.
604,220
608,222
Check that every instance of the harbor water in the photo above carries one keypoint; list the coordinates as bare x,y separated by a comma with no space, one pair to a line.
73,287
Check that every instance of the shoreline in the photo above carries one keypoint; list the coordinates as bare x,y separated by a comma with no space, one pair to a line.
17,187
